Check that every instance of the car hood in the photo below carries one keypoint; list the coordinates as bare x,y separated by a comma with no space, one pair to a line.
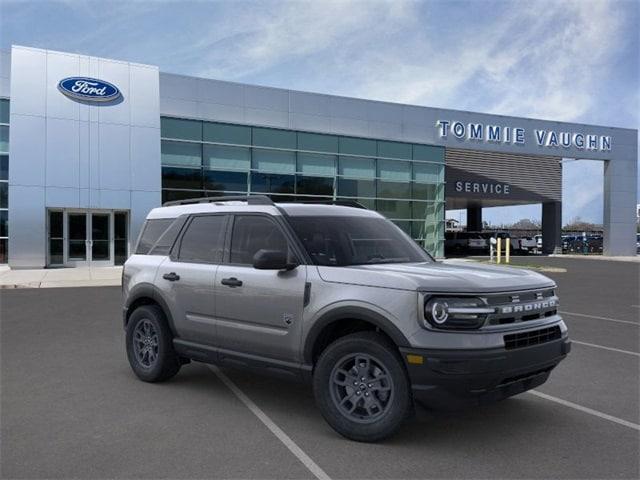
450,276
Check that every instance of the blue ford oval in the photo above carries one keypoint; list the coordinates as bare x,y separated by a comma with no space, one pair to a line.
89,89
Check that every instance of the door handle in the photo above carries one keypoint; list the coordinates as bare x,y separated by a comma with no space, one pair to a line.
231,282
172,277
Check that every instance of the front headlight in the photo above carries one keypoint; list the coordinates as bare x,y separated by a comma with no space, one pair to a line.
456,312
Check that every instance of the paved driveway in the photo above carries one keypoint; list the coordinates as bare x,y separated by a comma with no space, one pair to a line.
72,408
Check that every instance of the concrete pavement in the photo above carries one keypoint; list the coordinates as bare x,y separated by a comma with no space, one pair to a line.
61,277
71,407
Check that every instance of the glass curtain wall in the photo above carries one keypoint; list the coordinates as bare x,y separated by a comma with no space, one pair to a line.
403,181
4,180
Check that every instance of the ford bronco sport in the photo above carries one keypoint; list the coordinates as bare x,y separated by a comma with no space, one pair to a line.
337,295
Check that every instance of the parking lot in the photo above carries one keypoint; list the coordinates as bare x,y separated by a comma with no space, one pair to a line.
71,407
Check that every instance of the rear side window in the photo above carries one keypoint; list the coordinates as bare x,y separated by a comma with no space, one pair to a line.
167,239
151,233
203,240
252,233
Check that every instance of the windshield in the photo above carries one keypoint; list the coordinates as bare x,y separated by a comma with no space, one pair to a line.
343,241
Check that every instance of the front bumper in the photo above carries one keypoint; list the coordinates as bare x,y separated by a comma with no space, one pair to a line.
453,378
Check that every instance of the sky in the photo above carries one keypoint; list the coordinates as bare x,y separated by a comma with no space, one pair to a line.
562,60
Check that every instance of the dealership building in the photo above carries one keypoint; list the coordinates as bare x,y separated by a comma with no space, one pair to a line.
89,145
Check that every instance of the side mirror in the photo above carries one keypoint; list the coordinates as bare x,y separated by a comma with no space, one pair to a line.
272,260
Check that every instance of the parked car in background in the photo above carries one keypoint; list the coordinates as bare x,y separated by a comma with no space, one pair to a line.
529,245
582,244
460,243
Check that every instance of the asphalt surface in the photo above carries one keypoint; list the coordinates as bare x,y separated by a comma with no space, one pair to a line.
70,406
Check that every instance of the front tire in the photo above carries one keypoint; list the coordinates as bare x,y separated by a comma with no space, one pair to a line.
361,387
150,345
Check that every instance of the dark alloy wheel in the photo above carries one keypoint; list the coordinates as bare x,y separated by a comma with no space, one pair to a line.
150,345
145,343
361,387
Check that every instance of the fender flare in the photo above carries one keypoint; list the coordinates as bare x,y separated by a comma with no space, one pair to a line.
150,291
356,313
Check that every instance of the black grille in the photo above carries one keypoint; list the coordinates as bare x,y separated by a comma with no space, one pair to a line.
534,337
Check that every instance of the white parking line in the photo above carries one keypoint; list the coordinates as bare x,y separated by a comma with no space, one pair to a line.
270,424
628,352
590,411
600,318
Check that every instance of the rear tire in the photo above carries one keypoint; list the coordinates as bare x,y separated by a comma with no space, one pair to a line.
361,387
150,345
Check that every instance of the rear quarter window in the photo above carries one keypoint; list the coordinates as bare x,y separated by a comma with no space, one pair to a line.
151,232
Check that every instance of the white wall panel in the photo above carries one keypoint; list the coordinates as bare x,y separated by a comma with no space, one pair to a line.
59,66
223,93
27,236
28,81
5,87
115,199
63,153
179,87
5,64
62,197
145,154
317,123
144,97
265,98
118,74
27,142
309,103
271,118
84,152
115,154
222,113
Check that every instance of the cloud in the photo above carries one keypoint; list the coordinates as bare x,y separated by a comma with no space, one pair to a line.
575,60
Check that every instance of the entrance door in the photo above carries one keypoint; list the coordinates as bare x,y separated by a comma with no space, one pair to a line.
77,239
100,243
82,238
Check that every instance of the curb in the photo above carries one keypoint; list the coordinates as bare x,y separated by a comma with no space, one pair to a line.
61,284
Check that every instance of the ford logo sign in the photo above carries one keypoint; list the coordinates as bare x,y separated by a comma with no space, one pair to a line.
89,89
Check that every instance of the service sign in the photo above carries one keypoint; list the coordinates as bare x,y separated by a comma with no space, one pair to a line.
88,89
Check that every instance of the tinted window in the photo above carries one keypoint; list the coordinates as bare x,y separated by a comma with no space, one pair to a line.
4,167
225,181
314,185
270,183
342,241
190,178
204,240
151,233
167,239
252,233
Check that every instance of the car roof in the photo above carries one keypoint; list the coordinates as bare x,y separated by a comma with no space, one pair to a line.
292,209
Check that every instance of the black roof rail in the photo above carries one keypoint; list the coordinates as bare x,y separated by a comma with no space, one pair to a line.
250,199
341,203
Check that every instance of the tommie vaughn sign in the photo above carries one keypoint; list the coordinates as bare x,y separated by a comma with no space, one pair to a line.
88,89
516,135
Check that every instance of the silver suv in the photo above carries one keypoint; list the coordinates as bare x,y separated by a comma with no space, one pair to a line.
339,296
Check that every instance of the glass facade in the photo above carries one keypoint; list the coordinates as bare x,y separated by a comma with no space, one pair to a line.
403,181
4,180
